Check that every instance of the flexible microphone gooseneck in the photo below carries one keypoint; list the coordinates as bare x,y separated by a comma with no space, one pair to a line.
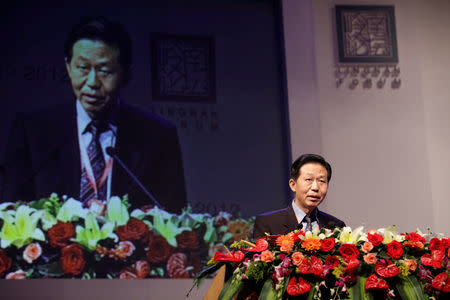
112,152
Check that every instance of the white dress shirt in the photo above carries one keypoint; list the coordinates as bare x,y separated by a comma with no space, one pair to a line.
107,139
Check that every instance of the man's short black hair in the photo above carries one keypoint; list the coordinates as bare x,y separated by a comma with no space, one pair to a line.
111,33
307,158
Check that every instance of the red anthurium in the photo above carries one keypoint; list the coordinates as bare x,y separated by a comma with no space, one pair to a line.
441,282
232,257
260,245
352,263
375,283
437,255
296,235
386,270
304,266
432,261
297,288
313,266
316,266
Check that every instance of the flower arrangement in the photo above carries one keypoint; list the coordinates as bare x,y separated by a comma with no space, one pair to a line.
59,238
339,264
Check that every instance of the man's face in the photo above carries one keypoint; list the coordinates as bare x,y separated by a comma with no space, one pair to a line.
95,74
311,186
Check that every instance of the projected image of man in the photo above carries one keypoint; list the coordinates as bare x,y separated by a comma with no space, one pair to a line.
73,148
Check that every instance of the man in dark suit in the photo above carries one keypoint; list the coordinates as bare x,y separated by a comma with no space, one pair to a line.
64,149
310,175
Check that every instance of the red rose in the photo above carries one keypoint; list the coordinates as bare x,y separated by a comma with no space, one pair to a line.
375,238
435,244
187,240
415,237
326,245
332,261
5,263
445,242
158,249
134,230
60,234
348,251
394,249
177,266
72,260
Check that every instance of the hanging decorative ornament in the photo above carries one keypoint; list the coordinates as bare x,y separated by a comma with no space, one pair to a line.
381,82
395,84
367,84
366,46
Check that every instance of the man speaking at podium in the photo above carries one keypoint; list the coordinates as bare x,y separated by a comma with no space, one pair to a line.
75,149
310,176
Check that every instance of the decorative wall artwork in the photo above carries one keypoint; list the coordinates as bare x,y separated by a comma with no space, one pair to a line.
183,68
367,46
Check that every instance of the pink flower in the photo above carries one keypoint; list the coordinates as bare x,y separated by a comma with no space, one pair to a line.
297,258
411,263
32,252
19,274
142,268
267,256
367,247
127,273
370,258
124,249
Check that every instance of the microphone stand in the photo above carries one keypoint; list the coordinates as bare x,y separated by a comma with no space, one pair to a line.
112,152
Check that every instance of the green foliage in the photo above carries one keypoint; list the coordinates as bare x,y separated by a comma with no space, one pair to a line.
256,271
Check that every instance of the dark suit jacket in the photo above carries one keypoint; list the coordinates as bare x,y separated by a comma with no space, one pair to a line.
43,156
284,221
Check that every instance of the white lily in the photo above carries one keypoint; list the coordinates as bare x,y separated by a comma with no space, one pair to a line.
20,228
91,234
71,210
116,211
390,235
347,236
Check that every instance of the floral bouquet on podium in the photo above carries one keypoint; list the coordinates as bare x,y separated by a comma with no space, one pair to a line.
339,264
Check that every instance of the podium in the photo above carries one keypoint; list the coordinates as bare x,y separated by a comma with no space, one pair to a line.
216,285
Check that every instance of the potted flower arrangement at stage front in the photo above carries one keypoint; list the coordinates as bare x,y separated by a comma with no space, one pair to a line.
54,237
339,264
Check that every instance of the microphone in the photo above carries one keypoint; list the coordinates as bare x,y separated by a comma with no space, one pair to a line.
112,152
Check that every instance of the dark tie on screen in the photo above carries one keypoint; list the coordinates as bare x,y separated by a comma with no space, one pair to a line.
95,154
308,221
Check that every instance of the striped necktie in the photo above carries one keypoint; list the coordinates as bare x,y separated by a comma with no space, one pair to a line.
97,160
308,221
